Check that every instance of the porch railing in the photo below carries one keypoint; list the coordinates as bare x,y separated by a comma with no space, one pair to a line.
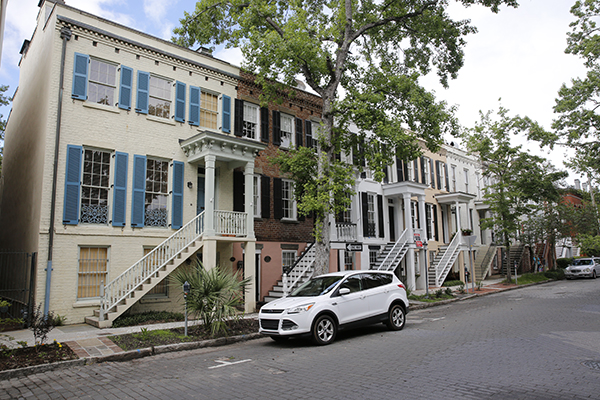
122,286
231,223
346,231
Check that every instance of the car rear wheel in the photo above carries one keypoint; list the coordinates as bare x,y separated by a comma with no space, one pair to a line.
324,330
396,317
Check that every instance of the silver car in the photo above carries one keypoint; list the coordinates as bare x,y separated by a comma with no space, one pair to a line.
583,268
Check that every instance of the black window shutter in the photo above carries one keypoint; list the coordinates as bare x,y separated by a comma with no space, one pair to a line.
423,177
447,179
308,134
299,134
406,176
399,170
277,203
418,215
380,215
265,197
416,169
276,128
427,222
238,191
238,121
365,214
435,222
432,173
439,177
264,124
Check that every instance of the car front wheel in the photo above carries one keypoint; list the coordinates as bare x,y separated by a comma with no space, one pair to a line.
324,330
396,317
593,274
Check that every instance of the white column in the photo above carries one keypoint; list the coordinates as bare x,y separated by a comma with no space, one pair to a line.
422,224
209,195
458,228
249,198
410,256
250,272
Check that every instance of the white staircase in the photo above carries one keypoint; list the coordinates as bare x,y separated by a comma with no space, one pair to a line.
483,261
392,255
125,290
299,273
444,260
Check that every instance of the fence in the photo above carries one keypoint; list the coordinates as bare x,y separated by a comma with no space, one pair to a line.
17,279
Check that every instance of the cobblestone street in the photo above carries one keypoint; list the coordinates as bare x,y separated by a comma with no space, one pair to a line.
540,342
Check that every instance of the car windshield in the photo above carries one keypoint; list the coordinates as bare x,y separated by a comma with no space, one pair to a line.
317,286
582,261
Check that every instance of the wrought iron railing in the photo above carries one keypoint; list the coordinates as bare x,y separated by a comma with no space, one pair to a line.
122,286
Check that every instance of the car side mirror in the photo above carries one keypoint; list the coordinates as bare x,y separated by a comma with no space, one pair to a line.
344,291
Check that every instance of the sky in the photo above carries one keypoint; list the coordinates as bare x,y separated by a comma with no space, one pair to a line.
516,56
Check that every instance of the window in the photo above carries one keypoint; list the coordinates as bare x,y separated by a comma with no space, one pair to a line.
102,82
287,199
453,169
94,187
288,258
348,260
373,258
256,198
425,167
347,214
409,169
209,104
442,176
93,271
287,130
478,184
160,290
371,227
414,212
160,97
155,206
430,221
466,180
250,125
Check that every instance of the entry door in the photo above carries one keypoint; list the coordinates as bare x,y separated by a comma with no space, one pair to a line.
257,275
392,218
200,202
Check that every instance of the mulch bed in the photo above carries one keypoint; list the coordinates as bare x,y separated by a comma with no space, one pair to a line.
38,355
196,333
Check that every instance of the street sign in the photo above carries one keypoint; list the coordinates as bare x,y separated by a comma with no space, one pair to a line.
419,243
354,246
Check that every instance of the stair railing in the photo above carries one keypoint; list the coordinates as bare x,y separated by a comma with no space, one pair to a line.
447,258
123,285
487,260
391,255
287,271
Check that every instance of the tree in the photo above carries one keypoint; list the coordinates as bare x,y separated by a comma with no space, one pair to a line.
364,59
4,101
518,180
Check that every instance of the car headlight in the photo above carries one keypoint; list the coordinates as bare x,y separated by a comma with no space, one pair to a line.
299,309
587,270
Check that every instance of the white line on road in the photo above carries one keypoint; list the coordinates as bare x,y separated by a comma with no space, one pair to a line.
227,363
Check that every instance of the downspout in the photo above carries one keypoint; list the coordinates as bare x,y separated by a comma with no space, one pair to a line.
65,35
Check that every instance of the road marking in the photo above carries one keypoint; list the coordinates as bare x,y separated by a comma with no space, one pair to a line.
227,363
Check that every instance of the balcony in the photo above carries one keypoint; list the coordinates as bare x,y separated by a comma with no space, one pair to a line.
346,232
230,223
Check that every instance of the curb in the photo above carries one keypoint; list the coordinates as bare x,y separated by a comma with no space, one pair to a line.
472,296
126,356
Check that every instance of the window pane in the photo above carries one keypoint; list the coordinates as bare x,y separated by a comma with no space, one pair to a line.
93,271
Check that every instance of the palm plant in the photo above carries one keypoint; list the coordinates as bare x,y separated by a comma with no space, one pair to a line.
215,294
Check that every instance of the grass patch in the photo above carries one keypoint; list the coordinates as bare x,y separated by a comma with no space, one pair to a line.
452,283
531,278
146,318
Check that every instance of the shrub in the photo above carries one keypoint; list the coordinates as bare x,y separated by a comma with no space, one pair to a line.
564,262
556,274
214,295
452,283
41,324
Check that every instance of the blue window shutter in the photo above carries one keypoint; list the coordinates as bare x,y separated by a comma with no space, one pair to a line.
143,92
139,191
80,76
72,185
177,216
179,102
226,114
120,189
194,117
125,90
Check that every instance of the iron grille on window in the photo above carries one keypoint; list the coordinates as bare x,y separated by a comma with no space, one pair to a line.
94,188
93,271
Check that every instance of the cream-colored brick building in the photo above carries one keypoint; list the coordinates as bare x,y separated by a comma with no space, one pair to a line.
118,140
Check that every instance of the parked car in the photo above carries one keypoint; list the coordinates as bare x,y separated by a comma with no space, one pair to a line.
583,267
331,302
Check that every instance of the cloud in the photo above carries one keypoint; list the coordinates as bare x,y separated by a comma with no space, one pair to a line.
105,9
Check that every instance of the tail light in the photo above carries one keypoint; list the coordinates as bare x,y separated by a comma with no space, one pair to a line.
401,285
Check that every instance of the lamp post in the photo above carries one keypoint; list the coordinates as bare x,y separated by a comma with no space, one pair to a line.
186,291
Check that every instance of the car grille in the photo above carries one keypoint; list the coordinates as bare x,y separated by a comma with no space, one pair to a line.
271,311
575,271
270,324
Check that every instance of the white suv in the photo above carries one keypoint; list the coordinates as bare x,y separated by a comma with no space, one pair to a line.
335,301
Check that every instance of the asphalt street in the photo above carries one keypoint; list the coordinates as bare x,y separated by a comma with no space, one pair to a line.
539,342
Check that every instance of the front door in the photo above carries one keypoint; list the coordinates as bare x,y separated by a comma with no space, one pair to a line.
392,218
200,199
